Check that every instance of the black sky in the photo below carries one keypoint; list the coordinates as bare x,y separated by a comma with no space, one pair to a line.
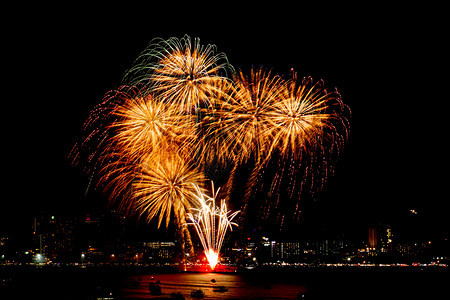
389,64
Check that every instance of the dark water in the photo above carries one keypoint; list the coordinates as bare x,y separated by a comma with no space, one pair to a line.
312,284
239,286
301,285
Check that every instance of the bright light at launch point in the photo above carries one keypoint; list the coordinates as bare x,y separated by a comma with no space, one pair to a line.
212,257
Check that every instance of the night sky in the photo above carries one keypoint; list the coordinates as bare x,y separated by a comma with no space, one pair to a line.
388,64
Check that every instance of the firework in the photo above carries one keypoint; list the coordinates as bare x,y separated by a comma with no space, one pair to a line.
152,142
241,124
127,126
304,114
94,131
239,129
263,114
211,224
309,126
164,184
264,119
145,124
182,71
163,188
97,151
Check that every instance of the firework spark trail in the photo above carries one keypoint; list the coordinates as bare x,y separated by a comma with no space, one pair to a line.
94,132
211,224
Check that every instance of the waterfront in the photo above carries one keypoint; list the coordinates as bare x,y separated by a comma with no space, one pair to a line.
313,283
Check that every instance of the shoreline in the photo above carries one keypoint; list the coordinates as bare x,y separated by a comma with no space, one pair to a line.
240,270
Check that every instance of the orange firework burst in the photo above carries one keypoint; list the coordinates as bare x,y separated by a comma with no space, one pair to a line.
262,114
165,184
144,123
183,72
141,125
308,127
240,127
304,114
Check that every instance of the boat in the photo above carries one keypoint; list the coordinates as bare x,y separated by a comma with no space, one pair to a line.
220,289
197,294
155,289
177,296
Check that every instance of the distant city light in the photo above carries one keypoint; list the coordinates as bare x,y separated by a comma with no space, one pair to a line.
39,258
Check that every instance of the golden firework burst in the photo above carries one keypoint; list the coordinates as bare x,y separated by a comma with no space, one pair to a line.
182,71
165,184
240,126
303,115
144,124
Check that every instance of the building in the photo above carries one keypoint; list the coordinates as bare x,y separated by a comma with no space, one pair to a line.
54,237
373,240
413,251
300,251
159,252
380,238
290,251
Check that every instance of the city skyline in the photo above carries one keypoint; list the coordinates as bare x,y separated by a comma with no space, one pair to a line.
110,239
389,164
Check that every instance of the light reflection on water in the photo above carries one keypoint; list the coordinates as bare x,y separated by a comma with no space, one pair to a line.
239,287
